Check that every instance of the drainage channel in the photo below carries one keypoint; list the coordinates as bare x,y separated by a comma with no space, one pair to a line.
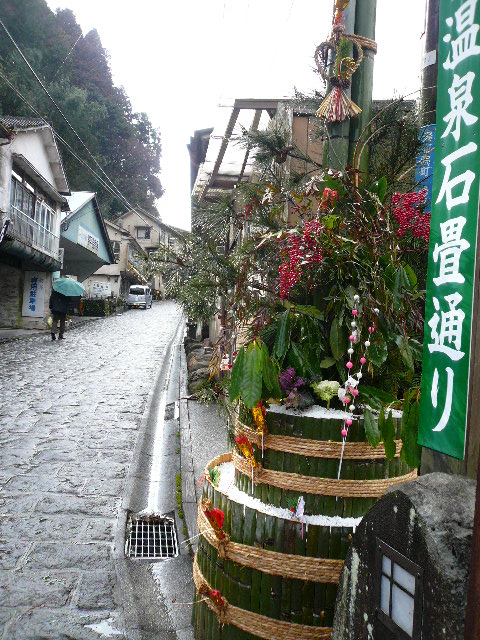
150,531
151,538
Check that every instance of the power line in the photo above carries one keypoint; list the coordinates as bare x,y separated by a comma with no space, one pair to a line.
60,111
74,154
64,142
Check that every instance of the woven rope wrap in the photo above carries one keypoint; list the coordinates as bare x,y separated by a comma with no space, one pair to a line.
338,32
278,564
319,486
254,623
315,448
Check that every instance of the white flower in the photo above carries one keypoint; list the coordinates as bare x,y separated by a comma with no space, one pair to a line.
354,324
367,343
350,351
359,375
356,297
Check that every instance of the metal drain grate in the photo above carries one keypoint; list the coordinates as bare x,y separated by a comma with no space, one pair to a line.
151,537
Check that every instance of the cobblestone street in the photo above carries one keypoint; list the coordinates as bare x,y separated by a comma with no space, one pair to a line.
70,412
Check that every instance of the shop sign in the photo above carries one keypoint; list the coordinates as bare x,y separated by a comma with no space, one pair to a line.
453,236
87,239
34,294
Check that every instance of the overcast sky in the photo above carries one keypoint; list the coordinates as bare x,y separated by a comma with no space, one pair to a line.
178,60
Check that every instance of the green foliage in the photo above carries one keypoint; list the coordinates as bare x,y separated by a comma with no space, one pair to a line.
371,428
252,370
76,71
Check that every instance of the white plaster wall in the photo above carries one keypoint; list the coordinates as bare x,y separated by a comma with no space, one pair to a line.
5,175
30,145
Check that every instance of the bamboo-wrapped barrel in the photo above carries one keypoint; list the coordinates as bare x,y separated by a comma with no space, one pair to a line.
277,577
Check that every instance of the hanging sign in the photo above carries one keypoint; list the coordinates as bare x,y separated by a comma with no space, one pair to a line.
424,163
453,235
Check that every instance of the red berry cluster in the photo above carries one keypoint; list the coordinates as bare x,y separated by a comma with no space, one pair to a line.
407,213
300,251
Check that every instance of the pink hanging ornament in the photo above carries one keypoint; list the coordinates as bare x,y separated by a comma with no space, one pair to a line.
354,312
348,422
344,432
363,360
349,365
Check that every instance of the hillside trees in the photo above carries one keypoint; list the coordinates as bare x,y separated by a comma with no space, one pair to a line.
76,71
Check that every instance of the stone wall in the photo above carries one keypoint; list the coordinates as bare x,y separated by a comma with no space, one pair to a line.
11,293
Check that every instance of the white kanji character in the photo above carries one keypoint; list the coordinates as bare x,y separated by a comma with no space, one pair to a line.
448,399
464,16
465,45
450,332
460,99
466,178
450,251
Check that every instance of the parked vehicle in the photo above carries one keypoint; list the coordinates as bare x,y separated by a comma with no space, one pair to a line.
139,296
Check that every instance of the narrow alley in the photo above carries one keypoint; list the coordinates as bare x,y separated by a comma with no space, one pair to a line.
71,414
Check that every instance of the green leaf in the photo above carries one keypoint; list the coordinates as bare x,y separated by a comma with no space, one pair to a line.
410,273
282,339
380,188
405,351
402,284
267,373
234,389
378,353
376,398
338,339
417,349
371,429
389,275
309,310
252,375
388,436
411,451
270,374
327,362
296,359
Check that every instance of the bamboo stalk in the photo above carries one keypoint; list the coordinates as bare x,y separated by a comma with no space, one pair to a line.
257,575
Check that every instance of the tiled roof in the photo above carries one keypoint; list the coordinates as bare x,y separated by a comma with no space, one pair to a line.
18,122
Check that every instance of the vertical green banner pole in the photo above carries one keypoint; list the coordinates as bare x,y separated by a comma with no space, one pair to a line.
453,236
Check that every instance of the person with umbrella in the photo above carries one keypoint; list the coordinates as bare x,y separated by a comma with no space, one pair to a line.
63,290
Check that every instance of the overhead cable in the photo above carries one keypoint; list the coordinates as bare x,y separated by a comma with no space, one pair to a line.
20,52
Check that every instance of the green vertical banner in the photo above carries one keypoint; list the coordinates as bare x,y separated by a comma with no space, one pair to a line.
453,234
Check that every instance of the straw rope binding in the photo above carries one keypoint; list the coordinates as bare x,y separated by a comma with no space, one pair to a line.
254,623
315,448
279,564
319,486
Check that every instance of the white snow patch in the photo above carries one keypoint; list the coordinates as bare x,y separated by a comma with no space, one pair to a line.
104,628
312,412
317,411
226,486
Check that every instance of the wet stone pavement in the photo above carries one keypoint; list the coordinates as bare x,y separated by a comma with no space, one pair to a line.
69,417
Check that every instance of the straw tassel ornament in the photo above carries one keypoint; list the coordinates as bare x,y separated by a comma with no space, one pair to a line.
337,106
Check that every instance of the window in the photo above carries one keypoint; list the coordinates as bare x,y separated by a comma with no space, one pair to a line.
143,233
399,592
116,249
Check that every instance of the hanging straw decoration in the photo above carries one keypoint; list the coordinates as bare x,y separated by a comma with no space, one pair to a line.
246,448
337,106
259,413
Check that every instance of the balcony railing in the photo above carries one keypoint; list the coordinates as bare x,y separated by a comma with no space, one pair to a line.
24,228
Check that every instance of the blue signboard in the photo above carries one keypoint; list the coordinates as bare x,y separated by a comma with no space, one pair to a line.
424,163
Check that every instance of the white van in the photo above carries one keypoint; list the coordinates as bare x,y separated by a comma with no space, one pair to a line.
139,296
